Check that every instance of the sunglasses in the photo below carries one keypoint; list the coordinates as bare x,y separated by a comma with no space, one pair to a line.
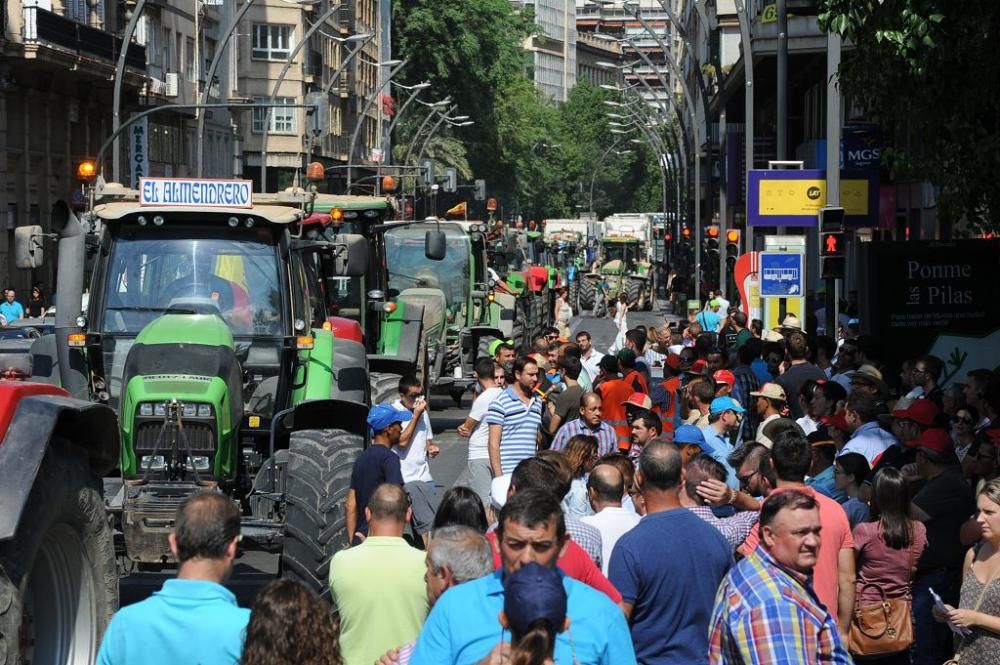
964,421
745,480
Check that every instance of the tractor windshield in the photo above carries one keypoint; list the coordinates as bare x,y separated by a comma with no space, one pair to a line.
409,269
626,252
152,273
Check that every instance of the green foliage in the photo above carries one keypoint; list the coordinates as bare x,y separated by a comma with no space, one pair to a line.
927,71
536,156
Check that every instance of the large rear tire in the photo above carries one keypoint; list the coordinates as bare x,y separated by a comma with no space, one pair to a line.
58,583
634,291
587,293
319,474
384,387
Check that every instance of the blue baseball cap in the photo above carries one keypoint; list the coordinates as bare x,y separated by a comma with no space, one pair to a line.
531,593
689,434
381,416
720,404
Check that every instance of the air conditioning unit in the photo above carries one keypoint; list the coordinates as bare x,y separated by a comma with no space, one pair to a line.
171,84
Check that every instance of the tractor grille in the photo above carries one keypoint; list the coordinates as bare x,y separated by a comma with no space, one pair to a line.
200,436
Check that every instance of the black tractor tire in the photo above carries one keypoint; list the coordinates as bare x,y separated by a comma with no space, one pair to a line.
319,474
587,295
574,294
518,332
384,387
634,291
58,582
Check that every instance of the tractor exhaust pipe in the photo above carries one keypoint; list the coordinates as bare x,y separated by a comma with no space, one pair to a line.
69,298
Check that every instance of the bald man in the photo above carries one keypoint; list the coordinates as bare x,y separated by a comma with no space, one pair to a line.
605,490
590,423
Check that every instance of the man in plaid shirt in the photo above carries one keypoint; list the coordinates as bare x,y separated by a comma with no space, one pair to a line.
766,610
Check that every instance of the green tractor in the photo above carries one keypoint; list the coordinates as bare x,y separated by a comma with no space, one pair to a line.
621,268
209,331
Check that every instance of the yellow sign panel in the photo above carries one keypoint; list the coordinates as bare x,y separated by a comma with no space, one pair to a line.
806,197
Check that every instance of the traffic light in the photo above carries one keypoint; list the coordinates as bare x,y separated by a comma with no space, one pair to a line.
450,180
831,252
732,247
686,233
831,219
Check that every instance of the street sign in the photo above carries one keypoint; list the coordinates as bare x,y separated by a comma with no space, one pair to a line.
795,197
781,274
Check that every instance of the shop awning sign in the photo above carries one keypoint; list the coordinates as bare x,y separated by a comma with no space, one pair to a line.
794,197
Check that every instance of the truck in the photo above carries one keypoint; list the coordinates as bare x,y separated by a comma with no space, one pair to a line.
209,333
566,243
623,264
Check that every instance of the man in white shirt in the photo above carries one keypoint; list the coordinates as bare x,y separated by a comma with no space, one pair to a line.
605,488
478,475
589,356
414,447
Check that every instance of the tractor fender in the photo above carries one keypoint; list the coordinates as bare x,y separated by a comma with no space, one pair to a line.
350,368
342,414
31,415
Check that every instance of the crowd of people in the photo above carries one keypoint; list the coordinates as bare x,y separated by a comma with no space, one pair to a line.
705,492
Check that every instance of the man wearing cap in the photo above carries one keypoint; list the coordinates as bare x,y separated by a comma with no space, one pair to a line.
799,371
907,425
868,378
464,625
590,423
943,504
723,419
502,351
605,489
709,319
375,466
867,438
771,400
690,442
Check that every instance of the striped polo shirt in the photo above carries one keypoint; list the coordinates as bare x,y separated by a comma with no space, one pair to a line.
520,423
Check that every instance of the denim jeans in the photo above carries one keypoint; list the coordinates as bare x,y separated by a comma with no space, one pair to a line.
933,643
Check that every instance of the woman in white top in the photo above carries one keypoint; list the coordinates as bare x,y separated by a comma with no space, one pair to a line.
563,312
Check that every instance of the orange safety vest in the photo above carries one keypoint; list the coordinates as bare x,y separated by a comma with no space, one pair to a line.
668,411
613,393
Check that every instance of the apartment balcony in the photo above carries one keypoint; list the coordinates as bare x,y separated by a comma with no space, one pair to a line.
48,35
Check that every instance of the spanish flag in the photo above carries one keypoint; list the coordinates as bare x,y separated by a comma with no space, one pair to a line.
459,209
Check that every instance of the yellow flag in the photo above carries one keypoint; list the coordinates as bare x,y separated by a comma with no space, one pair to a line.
458,209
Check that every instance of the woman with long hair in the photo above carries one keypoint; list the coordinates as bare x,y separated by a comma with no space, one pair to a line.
290,625
978,611
581,451
534,610
563,312
849,473
887,550
461,506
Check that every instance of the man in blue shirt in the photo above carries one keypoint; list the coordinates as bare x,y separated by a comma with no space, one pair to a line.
10,309
464,626
723,419
668,567
376,465
192,619
710,319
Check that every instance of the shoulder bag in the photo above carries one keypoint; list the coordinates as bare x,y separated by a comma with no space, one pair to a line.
884,627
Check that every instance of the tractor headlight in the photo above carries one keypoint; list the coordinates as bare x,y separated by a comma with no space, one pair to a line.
189,410
146,409
160,409
204,411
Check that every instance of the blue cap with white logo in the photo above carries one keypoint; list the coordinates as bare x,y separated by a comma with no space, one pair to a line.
381,416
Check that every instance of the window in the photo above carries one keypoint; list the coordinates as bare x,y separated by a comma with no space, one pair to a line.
190,70
283,120
272,42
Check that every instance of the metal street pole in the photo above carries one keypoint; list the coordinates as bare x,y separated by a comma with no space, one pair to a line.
210,75
361,120
116,103
416,135
748,123
593,175
833,104
277,83
414,93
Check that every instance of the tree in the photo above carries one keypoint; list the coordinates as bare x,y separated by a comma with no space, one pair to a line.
927,70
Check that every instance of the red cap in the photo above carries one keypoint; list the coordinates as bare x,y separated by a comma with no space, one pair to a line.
936,442
697,367
640,400
838,420
725,376
674,361
921,411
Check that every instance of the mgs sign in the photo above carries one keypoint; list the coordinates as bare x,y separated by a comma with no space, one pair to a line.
936,297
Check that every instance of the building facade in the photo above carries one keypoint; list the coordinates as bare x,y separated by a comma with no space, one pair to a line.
552,48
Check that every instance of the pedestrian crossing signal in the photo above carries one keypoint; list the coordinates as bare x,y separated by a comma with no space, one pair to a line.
831,245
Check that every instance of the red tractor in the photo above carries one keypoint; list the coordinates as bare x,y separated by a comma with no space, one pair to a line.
58,582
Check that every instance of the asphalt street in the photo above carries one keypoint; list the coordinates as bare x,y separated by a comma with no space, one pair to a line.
255,567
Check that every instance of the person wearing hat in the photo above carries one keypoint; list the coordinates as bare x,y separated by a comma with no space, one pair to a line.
821,471
502,351
770,401
789,325
534,610
694,307
464,624
723,419
690,442
861,413
376,465
943,504
868,378
724,382
710,319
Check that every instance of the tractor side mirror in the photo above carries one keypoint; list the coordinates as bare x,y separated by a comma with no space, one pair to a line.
28,250
435,245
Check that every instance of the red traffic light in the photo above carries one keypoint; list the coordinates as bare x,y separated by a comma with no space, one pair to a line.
712,231
831,244
667,237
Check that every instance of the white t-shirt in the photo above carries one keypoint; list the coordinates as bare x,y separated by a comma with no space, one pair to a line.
479,441
613,522
591,363
413,458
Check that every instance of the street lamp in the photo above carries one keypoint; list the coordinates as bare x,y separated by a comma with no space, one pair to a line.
396,66
415,91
